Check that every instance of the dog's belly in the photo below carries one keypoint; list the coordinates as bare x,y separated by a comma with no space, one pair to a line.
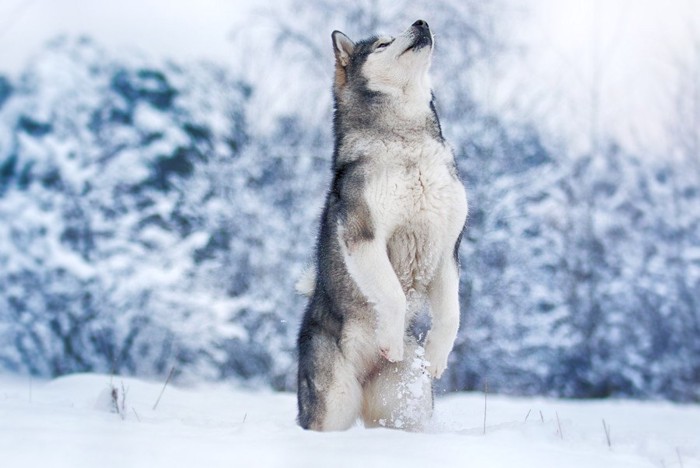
413,255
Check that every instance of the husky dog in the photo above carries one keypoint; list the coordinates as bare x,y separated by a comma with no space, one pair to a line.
387,245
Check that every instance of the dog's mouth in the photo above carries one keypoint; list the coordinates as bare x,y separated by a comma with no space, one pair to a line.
421,37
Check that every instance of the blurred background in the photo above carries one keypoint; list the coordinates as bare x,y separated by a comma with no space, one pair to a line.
163,166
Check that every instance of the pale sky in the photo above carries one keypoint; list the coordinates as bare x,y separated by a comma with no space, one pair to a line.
616,52
620,53
177,28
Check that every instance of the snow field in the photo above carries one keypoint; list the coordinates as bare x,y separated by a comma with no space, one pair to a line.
70,422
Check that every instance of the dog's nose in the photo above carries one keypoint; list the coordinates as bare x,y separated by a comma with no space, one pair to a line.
421,24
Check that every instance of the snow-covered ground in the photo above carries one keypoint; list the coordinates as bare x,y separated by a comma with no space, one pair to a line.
69,422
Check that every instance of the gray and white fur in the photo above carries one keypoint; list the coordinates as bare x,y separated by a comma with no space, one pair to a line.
387,245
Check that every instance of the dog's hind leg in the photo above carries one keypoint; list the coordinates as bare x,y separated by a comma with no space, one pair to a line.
344,398
330,394
400,394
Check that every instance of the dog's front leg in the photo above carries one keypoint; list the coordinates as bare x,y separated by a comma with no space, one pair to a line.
368,264
444,307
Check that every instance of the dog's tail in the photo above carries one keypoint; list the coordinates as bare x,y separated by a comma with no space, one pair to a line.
307,281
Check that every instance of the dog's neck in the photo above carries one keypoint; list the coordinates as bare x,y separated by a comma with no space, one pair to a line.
411,106
406,112
410,101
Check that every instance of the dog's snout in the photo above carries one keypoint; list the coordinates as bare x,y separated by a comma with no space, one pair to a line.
421,24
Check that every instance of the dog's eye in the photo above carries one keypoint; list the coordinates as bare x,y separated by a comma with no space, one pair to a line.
383,45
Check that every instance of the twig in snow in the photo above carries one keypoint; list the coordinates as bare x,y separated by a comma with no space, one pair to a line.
606,428
136,414
561,434
245,416
486,393
680,460
170,376
541,417
114,397
124,392
528,414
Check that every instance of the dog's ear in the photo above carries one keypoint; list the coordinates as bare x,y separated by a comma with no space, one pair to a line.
343,48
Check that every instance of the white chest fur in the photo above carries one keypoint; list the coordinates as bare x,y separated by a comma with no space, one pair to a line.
419,208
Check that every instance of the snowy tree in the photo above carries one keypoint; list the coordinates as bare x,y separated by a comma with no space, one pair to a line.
158,214
107,211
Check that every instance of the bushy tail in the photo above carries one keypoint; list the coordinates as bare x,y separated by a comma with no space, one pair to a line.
307,281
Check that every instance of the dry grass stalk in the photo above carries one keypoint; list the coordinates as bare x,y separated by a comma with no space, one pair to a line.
561,433
606,428
170,376
486,392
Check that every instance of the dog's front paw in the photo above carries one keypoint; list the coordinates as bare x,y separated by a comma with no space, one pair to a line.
391,344
436,356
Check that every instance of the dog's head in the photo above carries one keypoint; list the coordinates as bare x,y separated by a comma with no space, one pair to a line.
392,66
